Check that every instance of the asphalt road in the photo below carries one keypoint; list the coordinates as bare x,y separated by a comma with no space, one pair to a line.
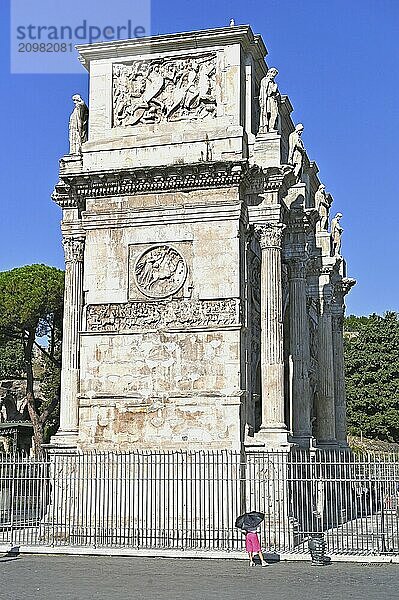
44,577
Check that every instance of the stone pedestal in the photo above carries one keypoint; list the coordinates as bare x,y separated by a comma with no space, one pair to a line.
267,489
323,240
267,149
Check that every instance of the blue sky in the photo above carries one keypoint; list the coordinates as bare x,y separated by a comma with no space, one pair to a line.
338,63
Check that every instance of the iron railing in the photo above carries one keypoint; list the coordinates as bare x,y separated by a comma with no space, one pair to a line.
190,500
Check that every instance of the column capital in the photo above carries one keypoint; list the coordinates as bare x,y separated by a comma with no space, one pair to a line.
296,267
73,248
269,235
326,300
347,284
337,321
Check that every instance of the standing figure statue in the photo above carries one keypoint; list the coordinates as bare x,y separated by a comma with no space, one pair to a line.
323,203
269,102
336,235
78,125
296,150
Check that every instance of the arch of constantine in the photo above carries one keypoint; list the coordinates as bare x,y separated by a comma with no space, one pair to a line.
205,283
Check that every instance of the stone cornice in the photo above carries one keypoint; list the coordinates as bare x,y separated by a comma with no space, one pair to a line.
286,102
299,220
326,269
347,284
191,40
73,189
272,179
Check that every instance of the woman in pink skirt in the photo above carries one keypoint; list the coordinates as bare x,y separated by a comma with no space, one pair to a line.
252,546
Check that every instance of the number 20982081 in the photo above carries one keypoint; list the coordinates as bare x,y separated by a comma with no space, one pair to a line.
45,47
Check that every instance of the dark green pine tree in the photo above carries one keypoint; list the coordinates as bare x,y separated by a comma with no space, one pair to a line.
31,308
372,375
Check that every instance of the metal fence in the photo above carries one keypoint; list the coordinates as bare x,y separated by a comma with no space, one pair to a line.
190,500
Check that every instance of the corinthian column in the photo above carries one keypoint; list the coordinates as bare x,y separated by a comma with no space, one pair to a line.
325,406
300,353
337,315
339,378
273,428
73,301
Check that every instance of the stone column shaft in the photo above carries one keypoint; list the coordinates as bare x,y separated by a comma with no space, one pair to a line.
300,353
341,288
273,425
339,379
73,302
325,408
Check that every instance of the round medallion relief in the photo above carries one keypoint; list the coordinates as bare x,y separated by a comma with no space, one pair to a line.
160,271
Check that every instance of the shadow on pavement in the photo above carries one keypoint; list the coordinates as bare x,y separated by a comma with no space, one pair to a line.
12,554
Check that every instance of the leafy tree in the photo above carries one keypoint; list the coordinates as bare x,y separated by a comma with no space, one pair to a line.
31,304
372,375
12,364
49,389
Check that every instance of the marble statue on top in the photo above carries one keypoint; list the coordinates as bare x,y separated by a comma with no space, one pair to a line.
296,151
322,204
336,235
78,125
269,102
146,92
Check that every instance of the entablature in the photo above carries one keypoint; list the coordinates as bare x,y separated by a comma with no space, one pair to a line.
73,189
206,38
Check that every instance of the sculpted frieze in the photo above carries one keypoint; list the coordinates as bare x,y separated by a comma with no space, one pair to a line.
160,271
164,90
254,283
172,314
254,280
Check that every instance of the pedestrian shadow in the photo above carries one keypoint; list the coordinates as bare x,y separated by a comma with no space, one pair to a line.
11,555
271,557
274,557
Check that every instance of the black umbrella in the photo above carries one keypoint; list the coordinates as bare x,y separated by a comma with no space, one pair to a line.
249,520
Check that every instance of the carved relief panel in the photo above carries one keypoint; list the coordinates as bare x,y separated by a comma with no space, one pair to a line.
166,314
255,325
313,348
158,271
164,90
254,333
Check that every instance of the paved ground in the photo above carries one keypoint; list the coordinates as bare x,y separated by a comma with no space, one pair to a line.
43,577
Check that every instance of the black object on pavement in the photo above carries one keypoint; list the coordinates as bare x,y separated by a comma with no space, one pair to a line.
317,548
249,520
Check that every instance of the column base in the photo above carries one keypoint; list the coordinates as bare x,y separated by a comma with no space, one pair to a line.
67,440
327,444
343,446
303,441
271,438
